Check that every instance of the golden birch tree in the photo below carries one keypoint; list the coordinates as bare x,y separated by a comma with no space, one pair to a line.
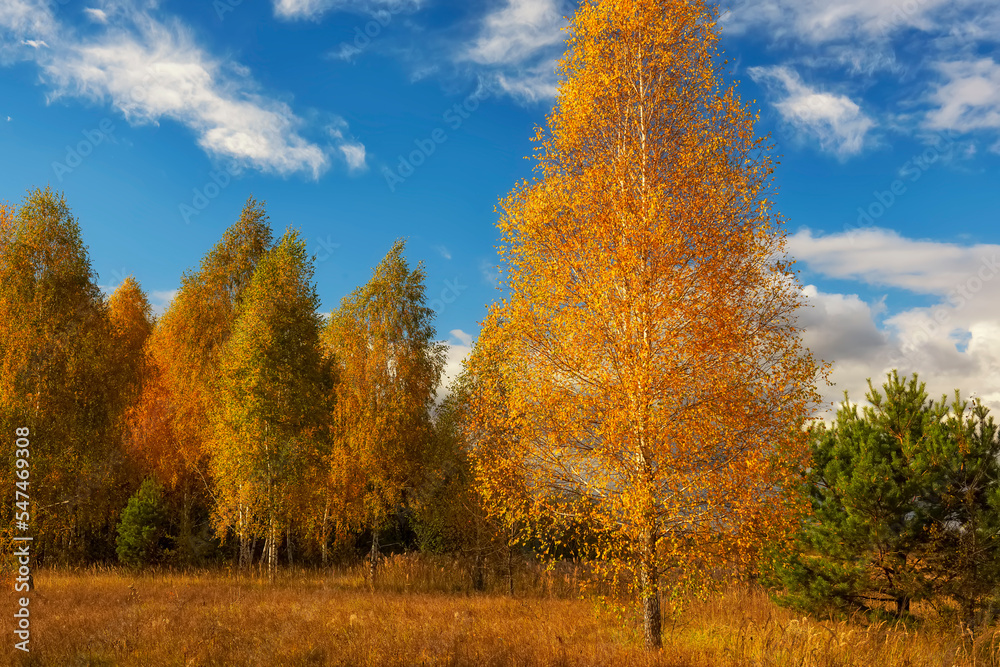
54,375
646,364
388,366
183,351
274,387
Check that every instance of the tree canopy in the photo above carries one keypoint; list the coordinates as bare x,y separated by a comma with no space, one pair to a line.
652,372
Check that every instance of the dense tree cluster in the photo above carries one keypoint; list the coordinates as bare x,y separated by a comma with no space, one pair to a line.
241,422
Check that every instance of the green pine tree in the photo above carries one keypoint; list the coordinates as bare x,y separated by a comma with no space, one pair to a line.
895,488
143,526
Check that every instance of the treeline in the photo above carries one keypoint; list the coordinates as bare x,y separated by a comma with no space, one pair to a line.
240,425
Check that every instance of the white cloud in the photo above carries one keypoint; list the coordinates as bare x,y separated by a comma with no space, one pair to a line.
458,348
953,343
314,9
836,121
27,19
444,252
518,45
35,44
465,338
353,151
152,71
819,21
883,258
970,100
518,31
354,154
950,348
96,15
160,300
531,84
490,272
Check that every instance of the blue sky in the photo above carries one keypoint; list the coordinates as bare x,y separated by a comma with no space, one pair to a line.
159,119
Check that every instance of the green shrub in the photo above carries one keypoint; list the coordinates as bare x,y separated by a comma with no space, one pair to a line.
143,526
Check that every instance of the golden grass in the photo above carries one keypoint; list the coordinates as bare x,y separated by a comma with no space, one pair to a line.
423,614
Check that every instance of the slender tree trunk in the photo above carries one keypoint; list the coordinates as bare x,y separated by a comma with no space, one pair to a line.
478,578
373,557
324,536
510,570
272,547
902,606
242,528
187,528
288,543
650,581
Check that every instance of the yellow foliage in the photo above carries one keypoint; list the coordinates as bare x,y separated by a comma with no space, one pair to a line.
645,377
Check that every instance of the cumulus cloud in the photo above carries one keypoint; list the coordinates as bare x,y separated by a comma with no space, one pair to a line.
836,121
954,343
152,70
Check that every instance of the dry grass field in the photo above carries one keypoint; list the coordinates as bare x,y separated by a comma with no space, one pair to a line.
423,614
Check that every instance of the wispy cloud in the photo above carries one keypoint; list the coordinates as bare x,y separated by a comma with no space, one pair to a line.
26,20
153,70
352,150
822,21
96,15
354,155
836,121
443,251
314,9
490,272
518,45
969,99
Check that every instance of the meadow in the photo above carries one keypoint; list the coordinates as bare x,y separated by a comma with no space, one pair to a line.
423,612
